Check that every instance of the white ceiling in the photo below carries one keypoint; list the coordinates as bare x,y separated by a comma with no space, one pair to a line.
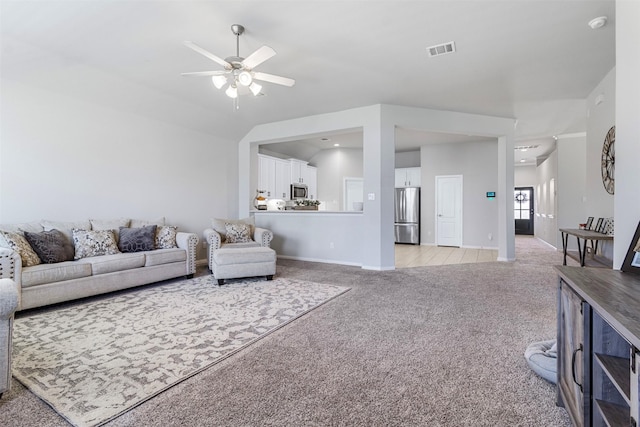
532,60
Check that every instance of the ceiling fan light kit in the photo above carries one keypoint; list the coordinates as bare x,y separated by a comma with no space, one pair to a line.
238,71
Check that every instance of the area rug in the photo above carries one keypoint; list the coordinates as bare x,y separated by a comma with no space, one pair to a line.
94,361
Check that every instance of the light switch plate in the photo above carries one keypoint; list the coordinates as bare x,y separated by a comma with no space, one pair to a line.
371,196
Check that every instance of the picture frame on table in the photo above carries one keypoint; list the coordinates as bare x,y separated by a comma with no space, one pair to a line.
631,262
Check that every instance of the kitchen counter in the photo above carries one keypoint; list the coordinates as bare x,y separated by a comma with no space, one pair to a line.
304,211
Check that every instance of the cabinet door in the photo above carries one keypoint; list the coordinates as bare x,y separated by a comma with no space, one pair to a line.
573,355
401,177
413,177
282,179
310,178
266,175
297,171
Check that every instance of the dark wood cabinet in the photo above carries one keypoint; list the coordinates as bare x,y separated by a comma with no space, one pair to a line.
598,342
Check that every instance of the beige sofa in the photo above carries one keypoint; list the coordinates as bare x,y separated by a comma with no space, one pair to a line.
8,305
53,282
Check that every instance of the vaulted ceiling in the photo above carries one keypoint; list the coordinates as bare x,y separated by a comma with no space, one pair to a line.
532,60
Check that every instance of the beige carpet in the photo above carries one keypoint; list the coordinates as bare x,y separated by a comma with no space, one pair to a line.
93,361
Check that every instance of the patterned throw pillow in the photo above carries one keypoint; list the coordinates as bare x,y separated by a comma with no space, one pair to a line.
166,237
18,243
51,246
137,239
94,243
238,233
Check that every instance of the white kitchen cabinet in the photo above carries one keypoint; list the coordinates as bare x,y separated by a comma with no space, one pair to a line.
310,177
274,177
266,175
407,177
282,179
298,168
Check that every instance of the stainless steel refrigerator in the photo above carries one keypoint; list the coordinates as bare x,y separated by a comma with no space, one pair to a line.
407,215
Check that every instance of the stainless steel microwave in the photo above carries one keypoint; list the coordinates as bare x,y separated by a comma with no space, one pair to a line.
299,191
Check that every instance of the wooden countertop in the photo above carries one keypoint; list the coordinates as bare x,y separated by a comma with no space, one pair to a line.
586,234
615,295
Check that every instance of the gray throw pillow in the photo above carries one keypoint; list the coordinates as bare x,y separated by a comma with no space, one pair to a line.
51,246
137,239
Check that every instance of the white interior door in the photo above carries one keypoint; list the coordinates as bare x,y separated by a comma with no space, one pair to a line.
449,210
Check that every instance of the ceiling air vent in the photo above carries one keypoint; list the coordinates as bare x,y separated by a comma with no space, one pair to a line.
441,49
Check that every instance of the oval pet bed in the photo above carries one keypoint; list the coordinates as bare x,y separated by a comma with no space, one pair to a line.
542,358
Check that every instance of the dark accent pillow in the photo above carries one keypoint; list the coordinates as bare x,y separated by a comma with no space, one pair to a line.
51,246
137,239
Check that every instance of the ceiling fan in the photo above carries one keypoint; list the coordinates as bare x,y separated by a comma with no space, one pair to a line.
239,72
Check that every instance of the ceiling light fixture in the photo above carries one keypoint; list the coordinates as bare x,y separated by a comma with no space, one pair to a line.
336,145
598,22
239,72
219,81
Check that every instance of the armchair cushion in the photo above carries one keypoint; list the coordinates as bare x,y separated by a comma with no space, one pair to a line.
238,233
220,225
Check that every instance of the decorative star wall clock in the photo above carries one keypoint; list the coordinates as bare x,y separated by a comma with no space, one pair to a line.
607,165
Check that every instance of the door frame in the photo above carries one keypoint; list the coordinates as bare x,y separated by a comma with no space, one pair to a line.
460,200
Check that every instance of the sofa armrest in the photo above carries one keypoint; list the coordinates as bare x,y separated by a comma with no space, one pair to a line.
189,242
10,265
263,236
9,298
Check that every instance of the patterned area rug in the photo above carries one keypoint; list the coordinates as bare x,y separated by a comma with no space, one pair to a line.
92,362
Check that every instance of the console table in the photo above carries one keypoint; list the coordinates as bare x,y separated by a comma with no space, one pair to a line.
584,235
599,346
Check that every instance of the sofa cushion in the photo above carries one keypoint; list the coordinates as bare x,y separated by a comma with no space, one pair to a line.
166,237
109,224
18,243
251,244
164,256
94,243
137,223
51,246
65,226
137,239
117,262
49,273
33,227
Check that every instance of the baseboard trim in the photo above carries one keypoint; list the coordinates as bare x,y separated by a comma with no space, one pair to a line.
324,261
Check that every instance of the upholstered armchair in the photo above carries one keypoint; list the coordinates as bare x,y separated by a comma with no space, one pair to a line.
235,234
9,300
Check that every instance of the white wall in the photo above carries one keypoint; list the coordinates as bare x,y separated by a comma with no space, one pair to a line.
572,171
546,224
524,176
477,162
333,166
627,202
67,159
600,118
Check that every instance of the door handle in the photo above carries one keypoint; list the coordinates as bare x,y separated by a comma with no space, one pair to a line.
439,214
573,365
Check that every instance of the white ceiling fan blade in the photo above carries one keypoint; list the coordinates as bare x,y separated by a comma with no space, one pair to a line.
205,73
206,53
284,81
258,57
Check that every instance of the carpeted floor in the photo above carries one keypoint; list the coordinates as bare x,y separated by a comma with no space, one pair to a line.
426,346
